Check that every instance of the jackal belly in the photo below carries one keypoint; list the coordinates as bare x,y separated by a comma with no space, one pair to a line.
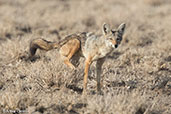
102,52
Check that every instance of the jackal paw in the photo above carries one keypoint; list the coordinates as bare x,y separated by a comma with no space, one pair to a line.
84,93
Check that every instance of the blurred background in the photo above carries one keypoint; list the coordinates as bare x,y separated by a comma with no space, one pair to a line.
136,76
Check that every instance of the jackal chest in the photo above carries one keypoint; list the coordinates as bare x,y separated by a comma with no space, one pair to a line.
102,52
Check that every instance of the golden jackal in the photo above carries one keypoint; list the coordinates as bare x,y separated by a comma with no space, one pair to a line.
92,47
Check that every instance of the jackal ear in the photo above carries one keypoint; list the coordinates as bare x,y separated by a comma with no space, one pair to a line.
121,28
106,28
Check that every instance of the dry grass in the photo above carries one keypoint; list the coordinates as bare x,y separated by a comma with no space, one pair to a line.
136,76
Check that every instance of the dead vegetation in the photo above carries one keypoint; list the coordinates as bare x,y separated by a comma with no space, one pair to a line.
136,76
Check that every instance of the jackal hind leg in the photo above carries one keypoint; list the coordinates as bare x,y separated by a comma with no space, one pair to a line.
99,64
68,50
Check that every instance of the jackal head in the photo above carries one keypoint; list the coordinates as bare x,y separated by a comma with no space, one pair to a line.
113,37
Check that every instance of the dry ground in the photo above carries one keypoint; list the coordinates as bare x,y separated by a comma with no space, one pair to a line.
136,76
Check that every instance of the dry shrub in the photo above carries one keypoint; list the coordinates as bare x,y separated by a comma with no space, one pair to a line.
15,101
155,2
129,103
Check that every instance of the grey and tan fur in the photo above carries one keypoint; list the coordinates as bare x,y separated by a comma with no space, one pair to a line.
92,47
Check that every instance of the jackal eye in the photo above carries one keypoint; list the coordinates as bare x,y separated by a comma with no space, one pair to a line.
118,39
110,38
113,32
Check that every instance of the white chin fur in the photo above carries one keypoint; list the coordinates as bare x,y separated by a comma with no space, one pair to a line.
113,46
109,44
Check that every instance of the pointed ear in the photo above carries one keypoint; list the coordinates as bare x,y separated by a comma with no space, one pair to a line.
106,29
121,28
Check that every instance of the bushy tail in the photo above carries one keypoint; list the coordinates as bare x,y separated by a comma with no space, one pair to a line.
41,44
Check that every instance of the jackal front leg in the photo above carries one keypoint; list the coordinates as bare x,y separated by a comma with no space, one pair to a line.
99,64
87,66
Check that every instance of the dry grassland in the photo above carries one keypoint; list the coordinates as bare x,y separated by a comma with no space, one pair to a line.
136,76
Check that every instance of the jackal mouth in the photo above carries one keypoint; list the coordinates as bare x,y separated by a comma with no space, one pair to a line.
114,42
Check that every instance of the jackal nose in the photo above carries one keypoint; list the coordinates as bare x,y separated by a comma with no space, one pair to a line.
116,45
